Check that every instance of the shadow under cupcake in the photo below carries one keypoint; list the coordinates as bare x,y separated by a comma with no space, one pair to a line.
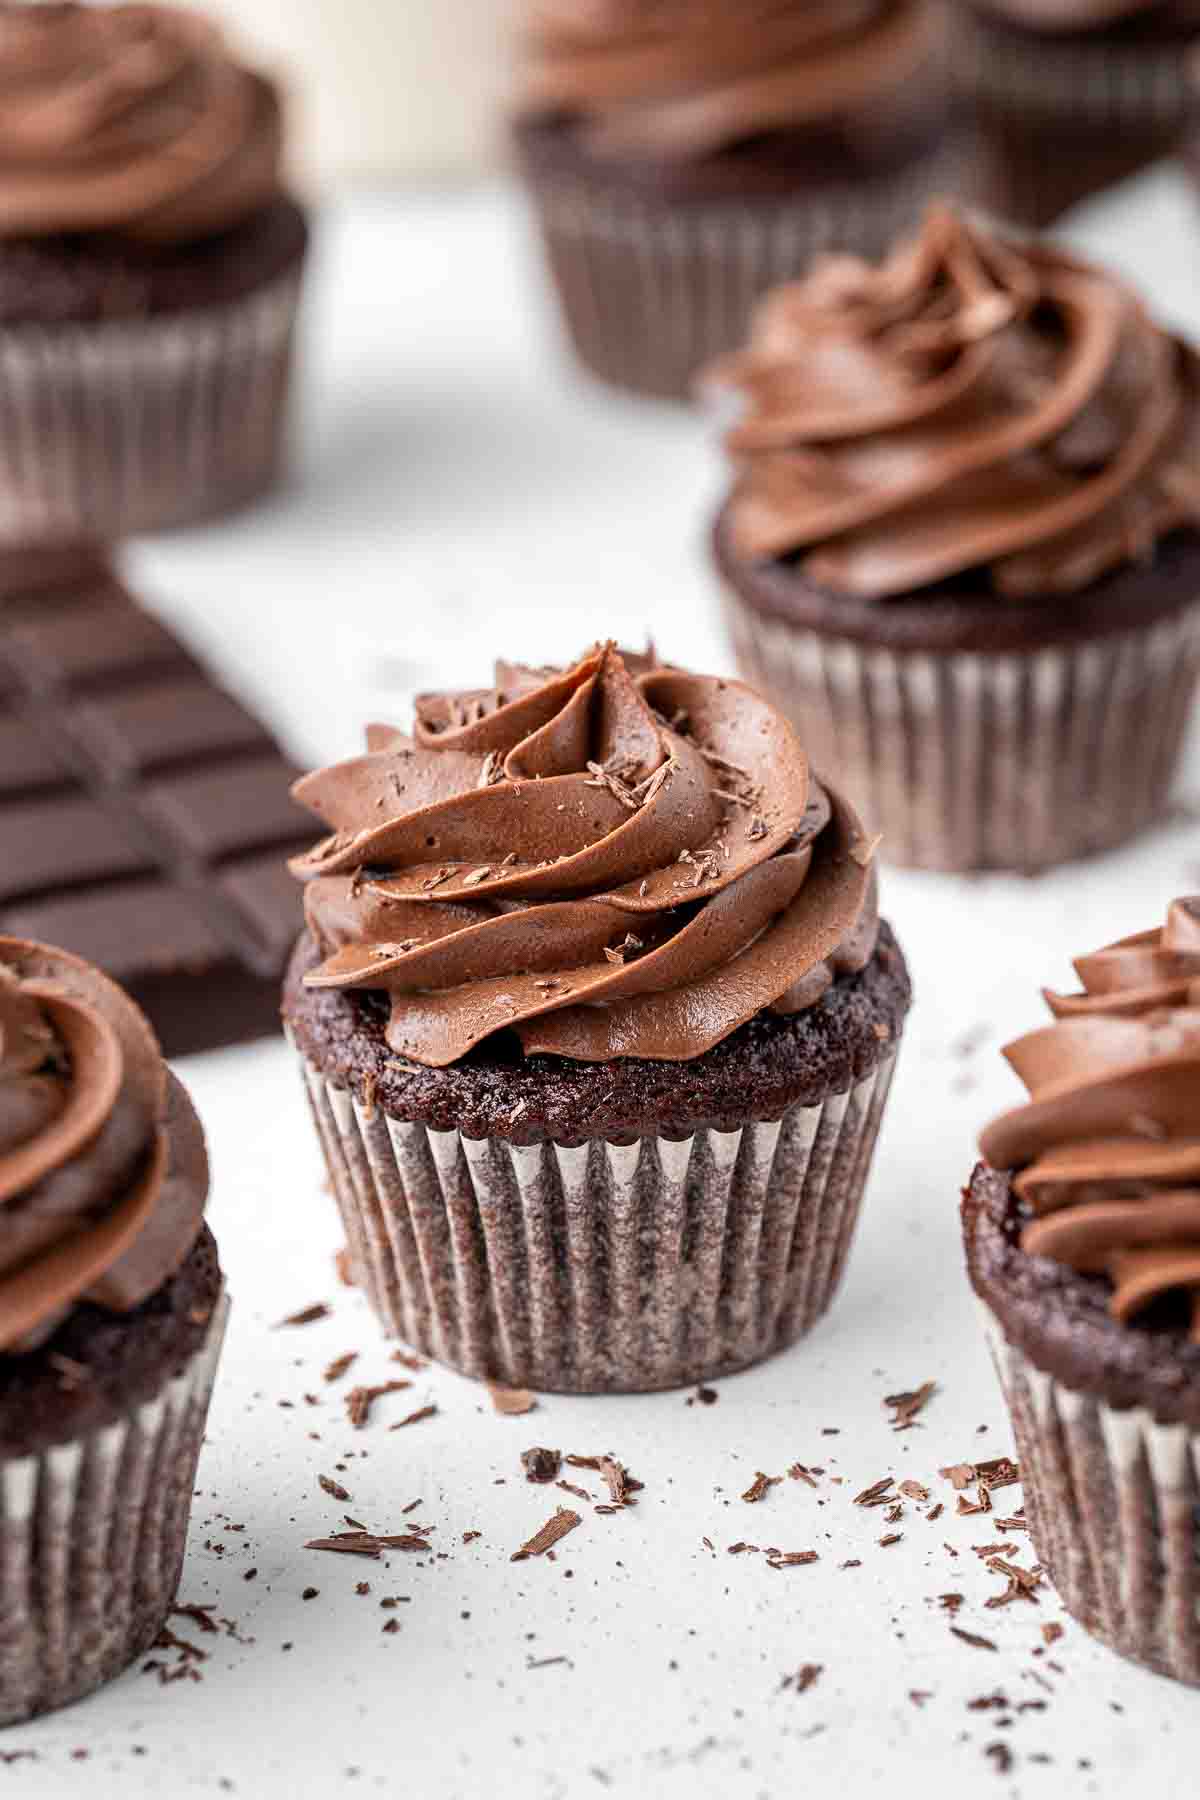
598,1022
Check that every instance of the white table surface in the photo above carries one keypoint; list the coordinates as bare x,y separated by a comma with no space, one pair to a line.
457,493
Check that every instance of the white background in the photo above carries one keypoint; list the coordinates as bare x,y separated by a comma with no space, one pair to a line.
458,492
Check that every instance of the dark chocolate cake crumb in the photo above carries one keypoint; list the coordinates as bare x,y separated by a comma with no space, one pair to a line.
540,1464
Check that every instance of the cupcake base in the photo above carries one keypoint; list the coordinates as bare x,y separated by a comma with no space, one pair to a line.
1066,115
1107,1436
143,392
614,1260
93,1525
656,276
977,735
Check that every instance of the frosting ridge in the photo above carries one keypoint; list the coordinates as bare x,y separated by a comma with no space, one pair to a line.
1107,1152
132,119
682,78
617,859
975,404
103,1173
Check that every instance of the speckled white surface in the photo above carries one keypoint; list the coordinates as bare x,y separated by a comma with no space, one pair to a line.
458,493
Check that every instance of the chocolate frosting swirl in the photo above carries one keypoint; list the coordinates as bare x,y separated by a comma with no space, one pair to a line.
974,404
131,119
103,1172
609,860
1108,1150
682,78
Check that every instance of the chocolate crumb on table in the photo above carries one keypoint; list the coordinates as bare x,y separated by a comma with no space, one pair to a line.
360,1400
760,1487
414,1418
333,1488
805,1677
973,1639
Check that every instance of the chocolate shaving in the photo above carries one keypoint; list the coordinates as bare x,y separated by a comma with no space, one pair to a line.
760,1487
877,1494
308,1315
906,1407
790,1559
806,1676
551,1533
333,1488
912,1490
798,1472
340,1364
972,1638
959,1475
893,1537
368,1543
414,1418
360,1400
1001,1472
511,1402
1051,1632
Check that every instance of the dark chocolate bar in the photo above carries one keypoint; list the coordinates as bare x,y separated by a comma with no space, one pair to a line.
144,813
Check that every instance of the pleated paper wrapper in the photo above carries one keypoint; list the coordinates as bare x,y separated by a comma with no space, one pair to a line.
650,291
1113,1502
987,761
127,426
92,1537
604,1267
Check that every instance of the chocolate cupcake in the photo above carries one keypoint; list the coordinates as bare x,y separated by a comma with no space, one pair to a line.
684,156
598,1022
111,1318
150,265
1072,96
962,548
1083,1243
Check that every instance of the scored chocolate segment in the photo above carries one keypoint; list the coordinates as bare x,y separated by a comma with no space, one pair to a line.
144,813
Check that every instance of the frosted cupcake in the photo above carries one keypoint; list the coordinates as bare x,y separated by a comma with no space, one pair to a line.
960,547
684,155
150,263
111,1318
1083,1243
598,1021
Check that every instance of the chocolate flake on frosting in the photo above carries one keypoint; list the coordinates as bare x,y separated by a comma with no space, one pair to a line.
1107,1153
975,403
602,929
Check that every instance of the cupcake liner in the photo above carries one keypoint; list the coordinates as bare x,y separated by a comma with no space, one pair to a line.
600,1267
118,427
987,761
651,290
1094,82
1113,1502
92,1536
1066,118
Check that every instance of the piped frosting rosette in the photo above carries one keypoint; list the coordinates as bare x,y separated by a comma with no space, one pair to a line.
609,861
974,403
1107,1152
103,1172
683,78
132,119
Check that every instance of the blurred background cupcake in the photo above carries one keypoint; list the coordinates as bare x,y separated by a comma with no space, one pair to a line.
1082,1231
112,1312
683,155
961,548
1073,95
150,263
